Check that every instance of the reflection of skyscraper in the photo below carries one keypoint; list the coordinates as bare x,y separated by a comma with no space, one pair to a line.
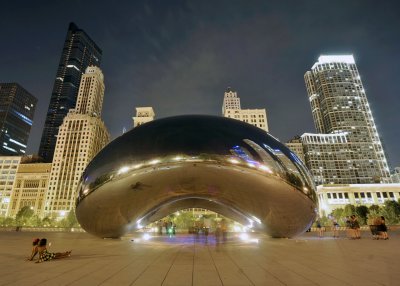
17,108
78,53
348,148
81,136
231,108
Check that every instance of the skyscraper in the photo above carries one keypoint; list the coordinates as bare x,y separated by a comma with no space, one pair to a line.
348,148
79,52
17,108
81,136
231,108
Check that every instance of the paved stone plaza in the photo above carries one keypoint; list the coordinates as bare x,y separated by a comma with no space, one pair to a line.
190,260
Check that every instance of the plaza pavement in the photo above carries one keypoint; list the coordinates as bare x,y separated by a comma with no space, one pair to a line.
190,260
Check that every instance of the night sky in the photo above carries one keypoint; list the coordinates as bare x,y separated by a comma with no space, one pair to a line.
179,56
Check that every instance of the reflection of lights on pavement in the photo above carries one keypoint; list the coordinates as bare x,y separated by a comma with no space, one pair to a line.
123,170
146,236
245,237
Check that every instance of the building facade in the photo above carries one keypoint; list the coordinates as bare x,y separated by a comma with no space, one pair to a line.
81,136
143,115
296,146
332,197
79,52
17,108
347,148
30,188
395,176
231,108
8,172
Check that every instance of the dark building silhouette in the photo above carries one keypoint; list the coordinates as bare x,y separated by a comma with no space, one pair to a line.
79,52
17,108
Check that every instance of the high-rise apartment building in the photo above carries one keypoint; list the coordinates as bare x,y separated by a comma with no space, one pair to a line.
79,52
81,136
347,149
231,108
296,146
143,115
30,188
8,171
17,108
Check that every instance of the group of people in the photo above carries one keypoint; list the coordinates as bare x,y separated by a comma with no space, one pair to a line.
170,227
39,247
377,226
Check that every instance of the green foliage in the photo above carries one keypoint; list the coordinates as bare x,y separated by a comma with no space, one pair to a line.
338,214
7,221
24,215
362,213
349,210
391,212
69,221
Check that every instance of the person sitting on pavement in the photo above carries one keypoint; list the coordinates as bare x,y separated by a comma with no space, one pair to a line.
34,249
45,255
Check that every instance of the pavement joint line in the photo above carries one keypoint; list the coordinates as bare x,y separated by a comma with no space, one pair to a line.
215,266
172,263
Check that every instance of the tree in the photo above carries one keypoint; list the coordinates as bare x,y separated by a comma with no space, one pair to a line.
7,221
391,212
338,214
70,220
349,210
362,213
24,215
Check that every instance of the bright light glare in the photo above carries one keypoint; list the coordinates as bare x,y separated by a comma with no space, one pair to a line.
154,162
234,161
251,165
137,166
237,228
178,158
85,191
123,170
265,168
244,236
146,236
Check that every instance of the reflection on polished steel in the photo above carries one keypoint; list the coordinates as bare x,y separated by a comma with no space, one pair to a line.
216,163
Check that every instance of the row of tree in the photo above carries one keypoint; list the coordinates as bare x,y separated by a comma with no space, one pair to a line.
390,210
27,218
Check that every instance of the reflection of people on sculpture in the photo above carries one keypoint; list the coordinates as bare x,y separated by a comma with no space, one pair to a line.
45,255
217,233
34,249
224,230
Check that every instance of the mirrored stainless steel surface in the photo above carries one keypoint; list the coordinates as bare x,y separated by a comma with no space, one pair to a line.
216,163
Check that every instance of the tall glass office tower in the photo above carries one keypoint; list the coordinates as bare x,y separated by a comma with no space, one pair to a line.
79,52
17,108
348,148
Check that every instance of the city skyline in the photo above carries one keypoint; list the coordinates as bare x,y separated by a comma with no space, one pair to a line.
179,59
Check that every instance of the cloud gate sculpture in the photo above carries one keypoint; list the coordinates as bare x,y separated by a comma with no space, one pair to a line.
196,161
